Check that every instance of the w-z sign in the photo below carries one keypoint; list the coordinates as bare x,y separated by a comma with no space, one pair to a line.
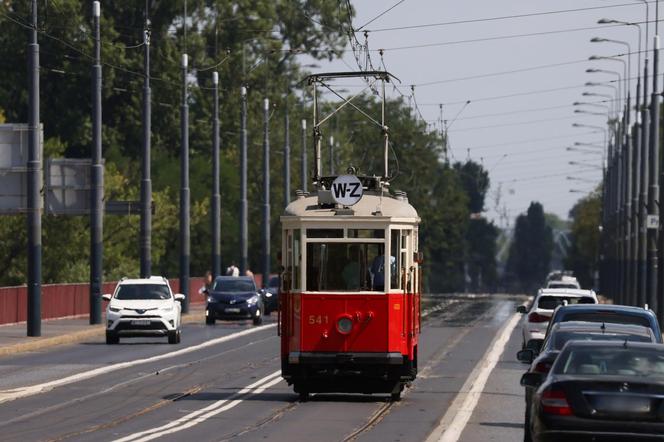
347,190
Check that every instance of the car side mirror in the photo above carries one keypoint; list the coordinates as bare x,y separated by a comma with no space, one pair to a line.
521,309
531,380
106,297
179,297
526,356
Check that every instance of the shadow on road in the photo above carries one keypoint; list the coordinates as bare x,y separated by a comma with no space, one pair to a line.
501,424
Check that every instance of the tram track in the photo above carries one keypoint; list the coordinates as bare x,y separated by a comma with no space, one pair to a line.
169,399
436,358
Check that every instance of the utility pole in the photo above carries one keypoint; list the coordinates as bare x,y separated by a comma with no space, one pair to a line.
331,155
216,196
287,172
303,165
185,228
97,177
244,248
653,195
266,192
636,225
643,197
34,184
146,182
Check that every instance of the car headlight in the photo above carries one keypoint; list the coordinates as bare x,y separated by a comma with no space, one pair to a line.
268,294
114,309
253,300
167,308
210,299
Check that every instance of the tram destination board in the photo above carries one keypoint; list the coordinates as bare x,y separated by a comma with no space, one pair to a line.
347,190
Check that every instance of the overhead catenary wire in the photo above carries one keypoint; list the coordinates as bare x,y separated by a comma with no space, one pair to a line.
502,17
380,15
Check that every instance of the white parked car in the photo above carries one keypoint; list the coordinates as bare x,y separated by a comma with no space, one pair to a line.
565,282
143,307
537,319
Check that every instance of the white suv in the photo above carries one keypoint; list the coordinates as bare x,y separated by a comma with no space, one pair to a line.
564,282
143,307
546,301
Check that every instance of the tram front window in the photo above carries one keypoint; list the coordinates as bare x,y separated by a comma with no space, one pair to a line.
345,267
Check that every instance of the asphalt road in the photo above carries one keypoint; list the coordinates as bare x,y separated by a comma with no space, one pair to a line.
223,383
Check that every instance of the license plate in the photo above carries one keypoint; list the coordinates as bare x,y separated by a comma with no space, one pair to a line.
140,322
624,404
232,310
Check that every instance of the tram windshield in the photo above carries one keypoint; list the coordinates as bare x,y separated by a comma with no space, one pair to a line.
346,267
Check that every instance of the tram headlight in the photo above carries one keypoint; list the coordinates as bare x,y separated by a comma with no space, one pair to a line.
344,325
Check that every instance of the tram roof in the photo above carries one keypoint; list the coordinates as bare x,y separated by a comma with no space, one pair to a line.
372,205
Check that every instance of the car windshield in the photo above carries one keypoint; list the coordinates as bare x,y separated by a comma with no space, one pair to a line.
234,285
551,302
607,316
562,285
143,291
561,338
612,361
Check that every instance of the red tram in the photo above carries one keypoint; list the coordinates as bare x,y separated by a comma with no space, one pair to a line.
350,301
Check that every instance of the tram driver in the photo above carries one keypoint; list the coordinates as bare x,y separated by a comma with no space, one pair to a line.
378,270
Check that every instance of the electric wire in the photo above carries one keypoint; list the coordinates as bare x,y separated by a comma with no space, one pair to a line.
498,18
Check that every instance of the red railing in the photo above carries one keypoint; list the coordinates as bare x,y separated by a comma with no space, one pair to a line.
70,300
67,300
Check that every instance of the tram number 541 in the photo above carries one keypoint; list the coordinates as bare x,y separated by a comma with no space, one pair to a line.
347,190
318,319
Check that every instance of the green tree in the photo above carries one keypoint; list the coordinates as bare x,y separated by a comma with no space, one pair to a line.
530,251
584,251
481,236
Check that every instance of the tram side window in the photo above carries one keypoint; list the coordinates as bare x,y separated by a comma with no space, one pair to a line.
297,259
341,266
395,274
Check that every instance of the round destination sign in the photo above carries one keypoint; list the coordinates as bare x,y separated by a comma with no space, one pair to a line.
347,190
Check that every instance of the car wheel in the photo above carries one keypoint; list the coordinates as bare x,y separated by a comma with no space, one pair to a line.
112,338
174,336
209,320
303,393
258,318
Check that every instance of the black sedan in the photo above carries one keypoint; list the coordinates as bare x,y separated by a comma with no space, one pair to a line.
272,294
234,297
615,314
600,390
566,331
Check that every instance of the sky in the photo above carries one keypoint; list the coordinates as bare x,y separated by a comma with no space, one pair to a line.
519,122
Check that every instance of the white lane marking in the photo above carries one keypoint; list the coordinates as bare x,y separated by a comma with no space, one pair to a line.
10,395
455,419
200,416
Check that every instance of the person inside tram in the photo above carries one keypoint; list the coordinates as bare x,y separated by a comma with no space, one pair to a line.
378,270
351,271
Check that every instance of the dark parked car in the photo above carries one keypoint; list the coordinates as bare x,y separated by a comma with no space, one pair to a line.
272,294
563,332
600,391
234,297
615,314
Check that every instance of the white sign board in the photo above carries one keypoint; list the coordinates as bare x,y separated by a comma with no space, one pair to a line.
652,221
347,190
13,167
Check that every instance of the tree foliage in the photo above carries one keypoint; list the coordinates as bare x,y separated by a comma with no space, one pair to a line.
251,43
530,251
584,251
